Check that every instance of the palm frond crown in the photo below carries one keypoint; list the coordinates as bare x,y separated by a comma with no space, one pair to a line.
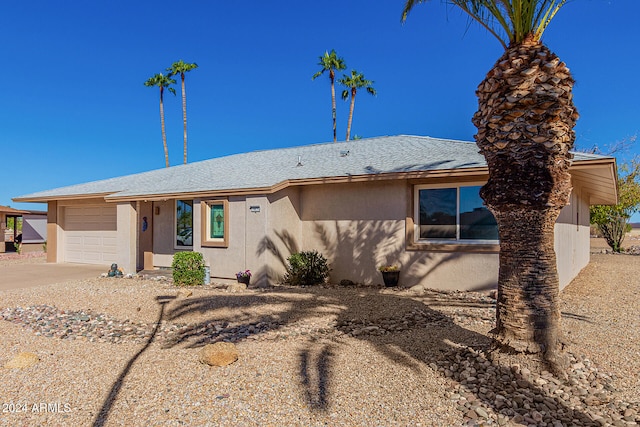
330,61
161,81
181,67
356,80
510,21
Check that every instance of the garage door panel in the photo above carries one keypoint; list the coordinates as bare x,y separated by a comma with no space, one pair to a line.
90,234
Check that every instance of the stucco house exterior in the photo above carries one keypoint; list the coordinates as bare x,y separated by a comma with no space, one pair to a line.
405,200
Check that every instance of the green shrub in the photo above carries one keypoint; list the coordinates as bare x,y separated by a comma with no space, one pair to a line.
188,268
306,268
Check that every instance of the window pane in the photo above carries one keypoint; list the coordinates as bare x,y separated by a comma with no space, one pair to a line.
476,221
438,213
184,222
216,222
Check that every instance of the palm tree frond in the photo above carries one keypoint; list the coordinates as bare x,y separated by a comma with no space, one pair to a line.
509,21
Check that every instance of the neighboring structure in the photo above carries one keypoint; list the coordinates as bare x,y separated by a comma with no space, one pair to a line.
7,236
34,230
406,200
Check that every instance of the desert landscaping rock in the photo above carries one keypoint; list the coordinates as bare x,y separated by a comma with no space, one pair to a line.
332,355
237,287
22,360
219,354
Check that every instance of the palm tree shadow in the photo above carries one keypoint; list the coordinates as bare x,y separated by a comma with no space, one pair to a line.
103,414
316,379
444,345
431,339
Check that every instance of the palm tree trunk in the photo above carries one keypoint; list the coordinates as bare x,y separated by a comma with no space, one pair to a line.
164,135
528,304
184,117
353,104
525,123
332,78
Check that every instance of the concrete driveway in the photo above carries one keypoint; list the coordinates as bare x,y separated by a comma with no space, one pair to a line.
16,276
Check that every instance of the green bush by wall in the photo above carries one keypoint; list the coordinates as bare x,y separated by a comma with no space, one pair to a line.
306,268
188,268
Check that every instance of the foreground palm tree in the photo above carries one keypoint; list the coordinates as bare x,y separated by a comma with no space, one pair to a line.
331,62
354,82
162,81
525,123
181,67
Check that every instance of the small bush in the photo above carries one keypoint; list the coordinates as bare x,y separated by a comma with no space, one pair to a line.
306,268
188,268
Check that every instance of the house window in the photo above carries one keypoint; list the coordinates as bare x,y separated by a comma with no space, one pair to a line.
215,223
184,223
453,214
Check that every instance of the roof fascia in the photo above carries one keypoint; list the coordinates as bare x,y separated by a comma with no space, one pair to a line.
305,181
46,199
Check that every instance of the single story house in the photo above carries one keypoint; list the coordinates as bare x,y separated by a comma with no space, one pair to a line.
406,200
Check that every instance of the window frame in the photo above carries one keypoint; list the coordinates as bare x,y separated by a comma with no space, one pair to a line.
207,241
417,242
175,225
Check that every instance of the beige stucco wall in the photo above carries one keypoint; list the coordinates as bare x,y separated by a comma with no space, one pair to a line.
263,232
163,233
360,226
284,232
53,232
572,239
127,237
225,262
357,226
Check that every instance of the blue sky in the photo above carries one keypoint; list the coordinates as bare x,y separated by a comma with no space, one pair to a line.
74,107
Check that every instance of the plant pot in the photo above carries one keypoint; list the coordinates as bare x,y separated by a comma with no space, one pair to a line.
244,280
390,278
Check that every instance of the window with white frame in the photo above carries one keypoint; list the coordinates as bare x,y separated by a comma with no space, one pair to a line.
184,223
453,214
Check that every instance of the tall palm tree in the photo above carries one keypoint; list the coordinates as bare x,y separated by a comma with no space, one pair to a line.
354,82
162,81
182,67
525,123
331,62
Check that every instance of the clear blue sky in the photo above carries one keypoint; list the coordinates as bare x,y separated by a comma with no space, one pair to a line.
74,107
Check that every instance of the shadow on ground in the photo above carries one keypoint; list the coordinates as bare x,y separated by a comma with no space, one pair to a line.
430,338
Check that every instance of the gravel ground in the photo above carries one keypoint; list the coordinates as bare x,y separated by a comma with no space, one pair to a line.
310,357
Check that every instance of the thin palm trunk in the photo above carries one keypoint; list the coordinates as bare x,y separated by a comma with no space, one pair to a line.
351,107
164,135
184,116
332,77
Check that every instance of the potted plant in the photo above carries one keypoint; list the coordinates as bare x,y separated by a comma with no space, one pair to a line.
244,277
390,275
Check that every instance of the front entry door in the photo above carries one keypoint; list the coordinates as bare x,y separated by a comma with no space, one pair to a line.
145,236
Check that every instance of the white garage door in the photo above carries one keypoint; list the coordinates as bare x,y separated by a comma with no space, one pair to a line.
90,234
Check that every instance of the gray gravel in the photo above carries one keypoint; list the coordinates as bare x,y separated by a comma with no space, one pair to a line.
310,357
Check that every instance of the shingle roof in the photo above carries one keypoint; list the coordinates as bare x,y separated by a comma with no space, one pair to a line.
265,169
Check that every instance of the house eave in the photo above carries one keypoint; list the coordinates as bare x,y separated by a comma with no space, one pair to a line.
46,199
478,171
